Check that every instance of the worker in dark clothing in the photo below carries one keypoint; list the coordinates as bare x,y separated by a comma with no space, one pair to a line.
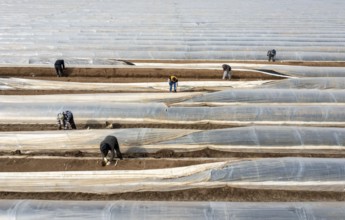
227,71
110,144
173,81
59,67
271,55
65,120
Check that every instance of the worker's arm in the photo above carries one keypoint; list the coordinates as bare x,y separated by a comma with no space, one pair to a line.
104,161
104,152
63,64
68,119
58,123
112,155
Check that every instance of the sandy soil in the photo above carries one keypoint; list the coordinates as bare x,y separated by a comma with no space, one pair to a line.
214,194
118,75
28,164
16,161
77,160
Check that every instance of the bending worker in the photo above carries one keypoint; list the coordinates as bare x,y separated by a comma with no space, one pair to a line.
65,120
227,71
110,144
173,81
271,55
59,67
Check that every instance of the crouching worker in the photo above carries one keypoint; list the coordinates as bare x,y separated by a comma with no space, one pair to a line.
59,67
65,120
226,71
173,81
110,144
271,55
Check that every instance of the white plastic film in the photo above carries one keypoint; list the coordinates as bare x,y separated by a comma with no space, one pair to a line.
130,140
306,71
237,96
231,96
101,97
270,69
30,84
307,83
256,139
40,31
301,174
156,210
89,112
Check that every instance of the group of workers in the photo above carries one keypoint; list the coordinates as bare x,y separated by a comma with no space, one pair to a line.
65,119
172,80
227,69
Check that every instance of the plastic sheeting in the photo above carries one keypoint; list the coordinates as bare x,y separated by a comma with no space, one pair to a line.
98,31
232,96
130,140
15,113
29,84
307,174
258,139
101,97
81,210
307,83
271,69
306,71
270,96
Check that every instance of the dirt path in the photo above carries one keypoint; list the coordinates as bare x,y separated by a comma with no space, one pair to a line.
77,160
29,164
215,194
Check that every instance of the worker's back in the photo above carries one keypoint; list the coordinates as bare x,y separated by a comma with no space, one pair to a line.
59,62
109,140
173,79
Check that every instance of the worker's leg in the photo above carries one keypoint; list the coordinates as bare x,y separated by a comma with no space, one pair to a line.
225,74
175,86
73,126
61,71
104,150
64,124
104,153
117,150
170,85
229,75
273,59
57,71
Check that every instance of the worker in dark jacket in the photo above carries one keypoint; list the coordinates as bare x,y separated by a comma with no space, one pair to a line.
65,120
109,144
173,81
227,71
271,55
59,67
